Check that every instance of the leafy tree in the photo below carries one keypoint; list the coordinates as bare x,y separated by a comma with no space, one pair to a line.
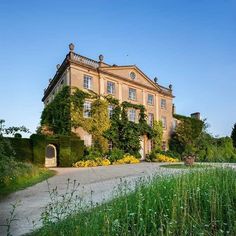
233,135
214,149
184,139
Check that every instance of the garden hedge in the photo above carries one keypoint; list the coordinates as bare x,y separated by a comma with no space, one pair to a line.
23,148
69,149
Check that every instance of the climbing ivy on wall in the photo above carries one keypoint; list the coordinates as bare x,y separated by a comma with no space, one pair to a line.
55,117
157,135
65,113
125,134
100,123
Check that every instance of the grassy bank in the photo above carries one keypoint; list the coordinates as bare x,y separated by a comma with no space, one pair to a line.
197,203
16,175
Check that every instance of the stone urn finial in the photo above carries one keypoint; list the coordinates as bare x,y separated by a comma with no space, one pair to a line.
101,57
170,86
71,47
58,66
155,80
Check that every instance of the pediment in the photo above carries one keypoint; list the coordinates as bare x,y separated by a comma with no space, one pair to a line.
128,72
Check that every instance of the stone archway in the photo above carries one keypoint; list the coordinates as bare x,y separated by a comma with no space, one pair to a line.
50,156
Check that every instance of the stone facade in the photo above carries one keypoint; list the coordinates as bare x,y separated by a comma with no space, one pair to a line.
126,83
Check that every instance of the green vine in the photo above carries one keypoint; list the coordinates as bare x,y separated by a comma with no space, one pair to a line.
65,113
55,117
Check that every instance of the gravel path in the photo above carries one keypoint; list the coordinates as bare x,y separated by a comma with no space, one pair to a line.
100,180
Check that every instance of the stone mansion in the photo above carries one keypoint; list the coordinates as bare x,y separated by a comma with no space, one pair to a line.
126,83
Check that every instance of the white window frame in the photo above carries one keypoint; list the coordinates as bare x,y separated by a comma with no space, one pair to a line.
164,122
132,94
152,101
87,82
132,115
150,119
110,87
163,103
87,109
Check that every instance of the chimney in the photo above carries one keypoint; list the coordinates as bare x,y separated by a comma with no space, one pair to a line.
196,115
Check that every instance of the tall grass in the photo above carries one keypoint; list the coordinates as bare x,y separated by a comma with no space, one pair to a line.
16,175
201,202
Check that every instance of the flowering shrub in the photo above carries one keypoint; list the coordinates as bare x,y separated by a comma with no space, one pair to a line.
164,158
127,159
92,163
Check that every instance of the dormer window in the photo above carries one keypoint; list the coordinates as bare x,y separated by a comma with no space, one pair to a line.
132,75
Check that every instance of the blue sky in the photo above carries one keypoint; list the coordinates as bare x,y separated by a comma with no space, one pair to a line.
191,44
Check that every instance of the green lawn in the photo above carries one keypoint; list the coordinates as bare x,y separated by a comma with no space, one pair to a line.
195,203
183,166
33,175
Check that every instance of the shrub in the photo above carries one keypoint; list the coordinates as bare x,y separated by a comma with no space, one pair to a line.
91,153
115,154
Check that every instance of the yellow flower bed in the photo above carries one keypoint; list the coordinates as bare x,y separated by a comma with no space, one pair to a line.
92,163
164,158
127,159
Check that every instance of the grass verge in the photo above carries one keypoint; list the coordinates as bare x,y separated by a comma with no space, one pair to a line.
183,166
24,178
195,203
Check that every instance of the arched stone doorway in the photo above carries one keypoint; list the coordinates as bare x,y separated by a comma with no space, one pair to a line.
51,156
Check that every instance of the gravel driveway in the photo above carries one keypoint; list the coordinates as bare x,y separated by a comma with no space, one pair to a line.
100,180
